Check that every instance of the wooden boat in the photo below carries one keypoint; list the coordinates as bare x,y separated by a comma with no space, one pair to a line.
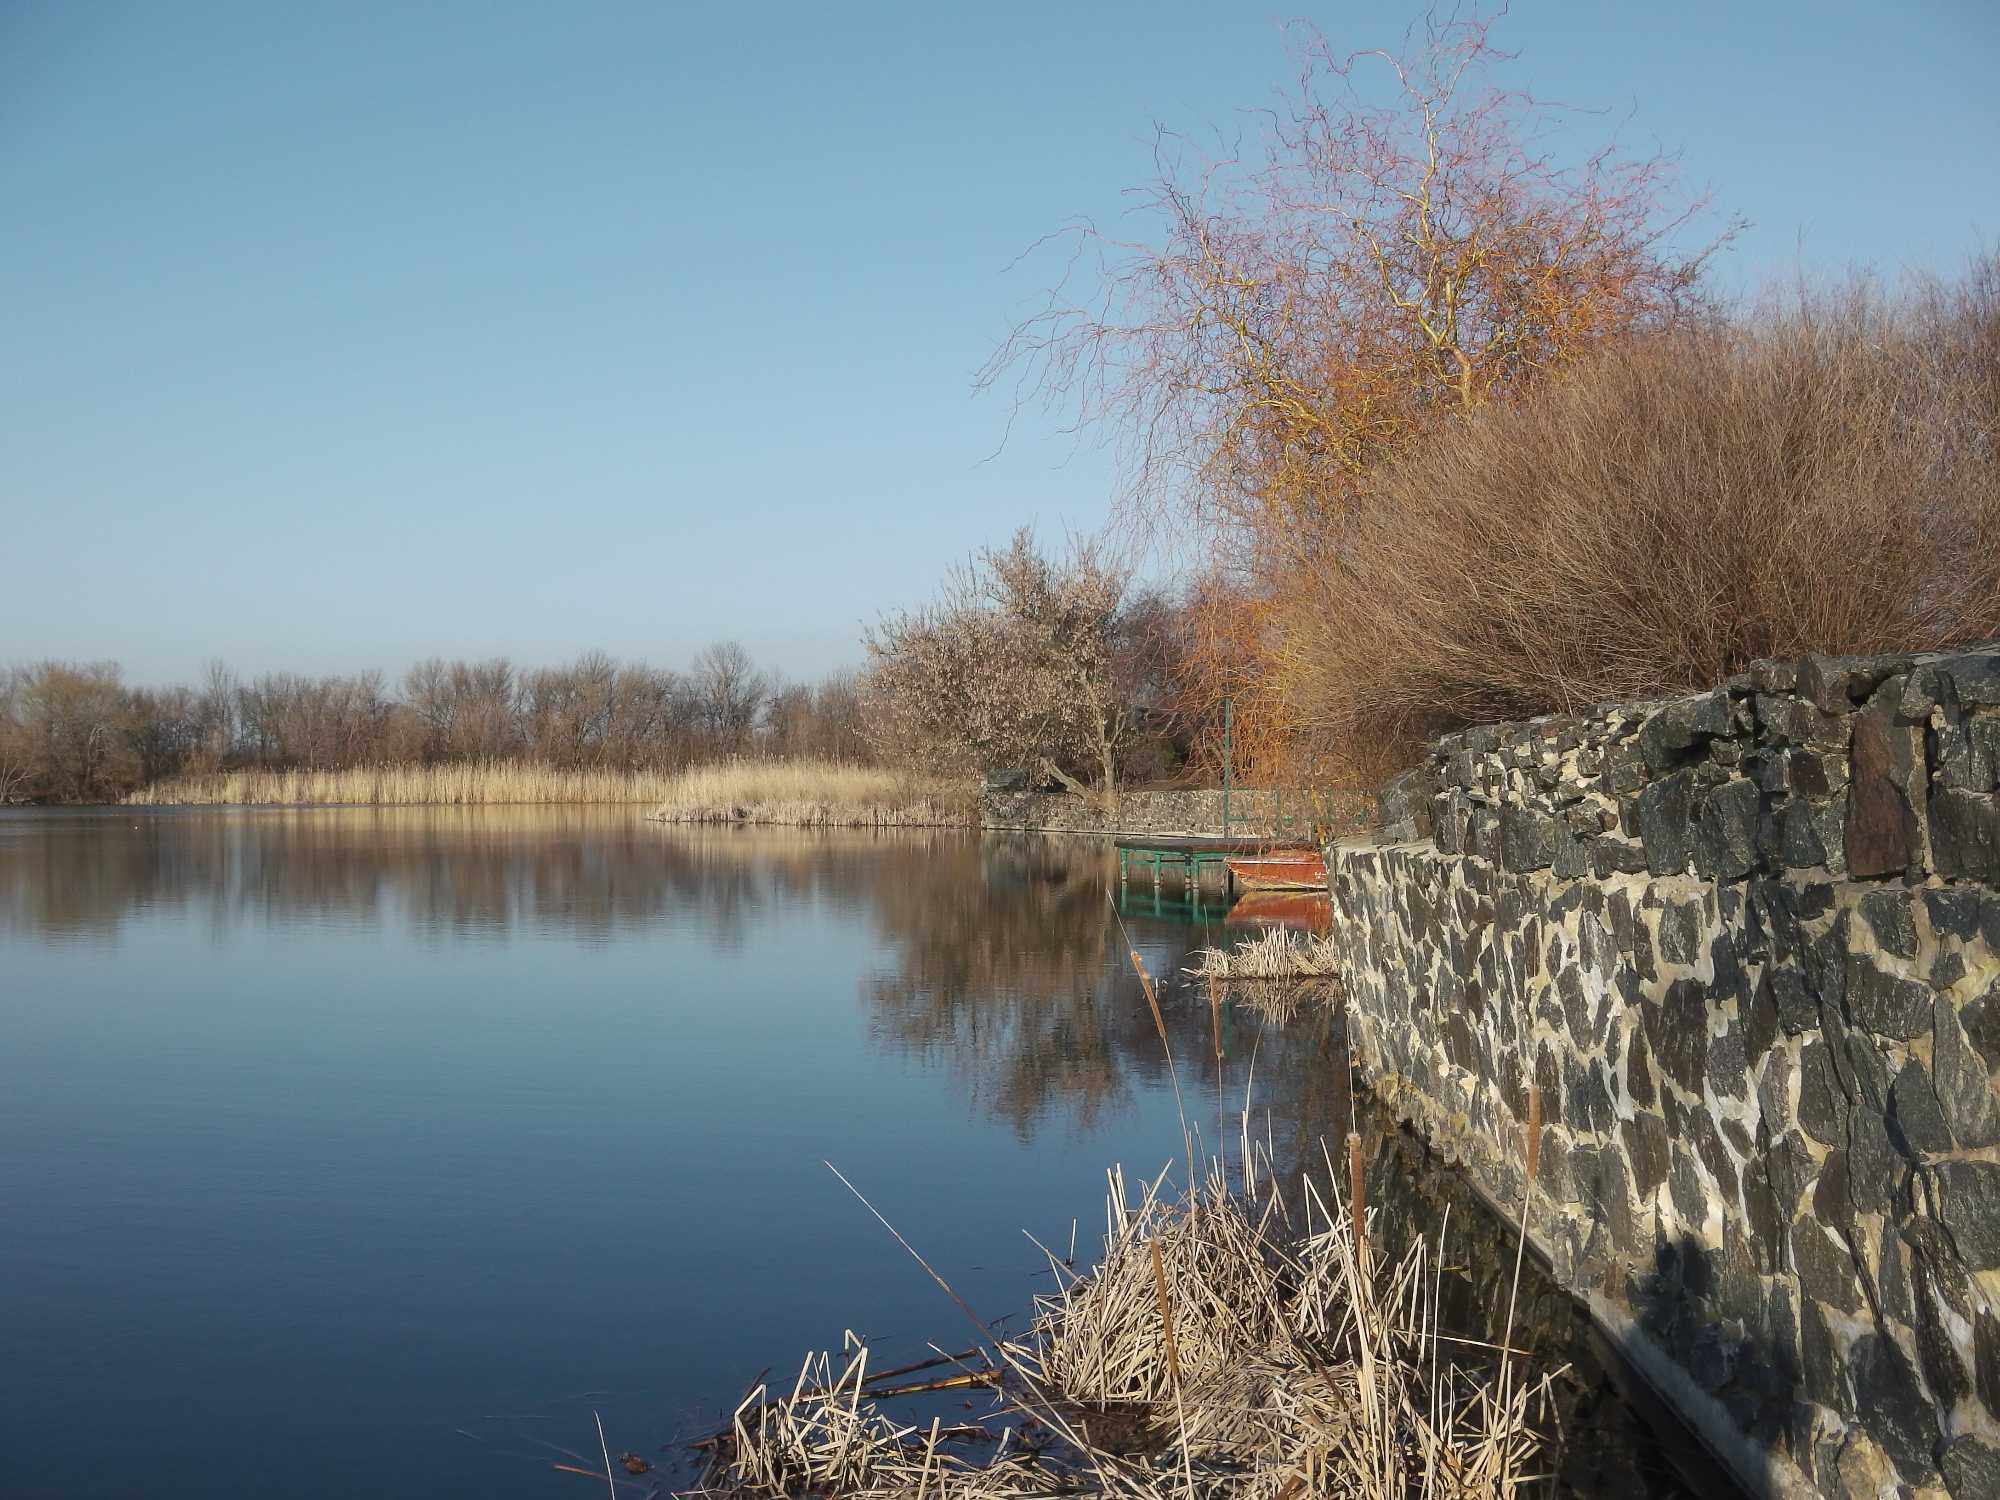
1298,869
1302,911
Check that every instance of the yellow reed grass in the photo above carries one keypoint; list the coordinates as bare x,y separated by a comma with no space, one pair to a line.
810,793
804,792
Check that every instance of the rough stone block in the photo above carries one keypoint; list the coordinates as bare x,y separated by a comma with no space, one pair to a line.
1885,802
1965,835
1666,823
1725,845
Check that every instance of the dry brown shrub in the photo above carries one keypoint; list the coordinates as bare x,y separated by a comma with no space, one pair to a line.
1822,476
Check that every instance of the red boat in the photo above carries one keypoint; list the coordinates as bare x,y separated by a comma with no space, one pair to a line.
1302,911
1301,869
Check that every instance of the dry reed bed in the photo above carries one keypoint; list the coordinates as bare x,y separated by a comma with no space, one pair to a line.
1276,953
809,793
1227,1343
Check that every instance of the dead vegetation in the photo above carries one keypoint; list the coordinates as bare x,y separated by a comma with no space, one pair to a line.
1227,1342
807,794
1275,953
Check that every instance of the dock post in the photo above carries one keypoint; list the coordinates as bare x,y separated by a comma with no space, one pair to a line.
1228,769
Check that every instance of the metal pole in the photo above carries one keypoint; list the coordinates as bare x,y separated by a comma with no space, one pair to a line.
1228,768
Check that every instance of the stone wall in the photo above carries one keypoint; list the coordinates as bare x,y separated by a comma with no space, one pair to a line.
1253,812
1746,946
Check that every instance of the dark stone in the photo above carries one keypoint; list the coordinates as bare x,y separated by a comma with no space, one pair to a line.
1914,1112
1974,677
1836,683
1893,1407
1820,1362
1646,1149
1824,1267
1527,839
1684,1183
1981,1020
1885,802
1986,1360
1666,823
1874,1166
1638,1072
1971,1211
1963,1082
1482,834
1947,968
1678,1029
1571,856
1769,676
1714,1155
1797,838
1832,1202
1728,1068
1965,835
1671,732
1822,1103
1884,1004
1936,1356
1953,913
1760,1023
1680,932
1891,916
1892,1284
1586,1102
1971,1470
1726,832
1798,1011
1611,855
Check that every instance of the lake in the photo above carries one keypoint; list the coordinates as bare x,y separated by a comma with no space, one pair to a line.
373,1151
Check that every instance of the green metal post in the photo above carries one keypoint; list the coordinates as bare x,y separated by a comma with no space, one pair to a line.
1228,767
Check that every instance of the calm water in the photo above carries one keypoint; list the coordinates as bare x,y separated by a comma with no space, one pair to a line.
331,1133
356,1152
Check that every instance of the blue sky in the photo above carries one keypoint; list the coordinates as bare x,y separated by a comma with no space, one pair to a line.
338,335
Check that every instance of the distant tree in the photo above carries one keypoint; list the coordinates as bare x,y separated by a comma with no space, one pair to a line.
1017,663
730,692
14,757
77,720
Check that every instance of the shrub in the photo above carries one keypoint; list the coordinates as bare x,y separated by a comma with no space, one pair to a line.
1821,476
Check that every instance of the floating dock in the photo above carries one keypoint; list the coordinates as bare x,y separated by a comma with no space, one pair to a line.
1190,855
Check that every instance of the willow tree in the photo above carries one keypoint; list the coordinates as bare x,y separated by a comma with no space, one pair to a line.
1018,663
1402,245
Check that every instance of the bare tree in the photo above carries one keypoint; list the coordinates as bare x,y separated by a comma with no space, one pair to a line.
1015,664
730,691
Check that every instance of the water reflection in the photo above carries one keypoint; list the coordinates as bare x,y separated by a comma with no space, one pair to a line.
499,1155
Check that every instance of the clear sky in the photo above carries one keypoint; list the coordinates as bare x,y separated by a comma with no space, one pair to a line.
336,335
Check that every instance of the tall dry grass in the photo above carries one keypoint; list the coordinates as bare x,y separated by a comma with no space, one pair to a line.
1229,1342
1823,475
802,792
455,784
808,793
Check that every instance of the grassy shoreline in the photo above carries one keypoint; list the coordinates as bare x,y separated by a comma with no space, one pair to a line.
799,793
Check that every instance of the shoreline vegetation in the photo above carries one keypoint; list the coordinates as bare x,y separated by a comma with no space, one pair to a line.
1232,1340
801,792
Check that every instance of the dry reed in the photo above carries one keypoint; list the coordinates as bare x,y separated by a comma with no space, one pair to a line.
1277,953
807,793
1227,1343
811,793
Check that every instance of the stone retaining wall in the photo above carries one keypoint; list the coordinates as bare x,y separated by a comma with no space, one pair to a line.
1251,812
1747,947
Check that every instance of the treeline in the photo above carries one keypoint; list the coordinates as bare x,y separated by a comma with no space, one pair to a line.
77,732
